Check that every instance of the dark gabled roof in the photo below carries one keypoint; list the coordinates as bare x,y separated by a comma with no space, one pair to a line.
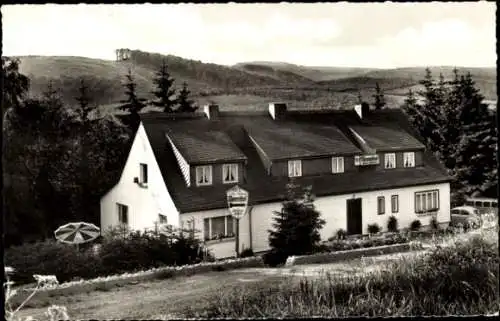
286,140
265,188
387,139
204,147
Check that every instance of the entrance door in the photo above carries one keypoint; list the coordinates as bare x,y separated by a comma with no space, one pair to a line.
354,221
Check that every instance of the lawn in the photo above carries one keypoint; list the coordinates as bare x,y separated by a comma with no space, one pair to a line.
239,292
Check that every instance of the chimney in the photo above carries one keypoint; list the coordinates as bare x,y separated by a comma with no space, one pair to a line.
362,110
277,110
212,111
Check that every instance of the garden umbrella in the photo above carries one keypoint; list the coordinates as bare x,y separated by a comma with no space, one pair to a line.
77,233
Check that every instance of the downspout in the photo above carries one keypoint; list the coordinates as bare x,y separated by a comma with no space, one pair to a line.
250,225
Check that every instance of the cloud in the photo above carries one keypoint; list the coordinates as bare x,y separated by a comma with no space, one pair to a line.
377,35
446,42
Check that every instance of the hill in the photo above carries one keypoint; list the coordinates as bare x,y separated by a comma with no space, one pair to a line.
312,73
256,82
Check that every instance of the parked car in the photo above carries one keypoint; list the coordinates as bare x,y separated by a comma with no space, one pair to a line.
467,216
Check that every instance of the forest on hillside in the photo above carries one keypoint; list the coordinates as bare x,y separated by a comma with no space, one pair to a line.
59,158
298,85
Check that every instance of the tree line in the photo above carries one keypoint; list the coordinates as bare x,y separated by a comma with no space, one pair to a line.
59,159
165,95
459,129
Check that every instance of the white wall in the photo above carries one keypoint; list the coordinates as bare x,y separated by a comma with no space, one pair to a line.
144,204
333,210
223,248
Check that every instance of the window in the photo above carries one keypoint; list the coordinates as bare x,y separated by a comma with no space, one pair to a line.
426,201
203,175
143,179
218,227
394,203
162,219
494,204
294,168
486,204
390,160
122,214
337,164
381,205
470,203
230,173
409,159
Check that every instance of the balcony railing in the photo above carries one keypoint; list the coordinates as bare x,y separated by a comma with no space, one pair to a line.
365,160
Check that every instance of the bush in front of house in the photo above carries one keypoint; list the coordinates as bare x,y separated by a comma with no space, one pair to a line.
434,223
373,228
247,252
341,234
118,254
415,225
392,224
274,258
296,227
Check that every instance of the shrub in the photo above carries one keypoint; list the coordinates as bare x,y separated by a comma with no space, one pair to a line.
118,254
434,223
392,224
415,225
296,227
321,248
373,228
274,258
341,234
248,252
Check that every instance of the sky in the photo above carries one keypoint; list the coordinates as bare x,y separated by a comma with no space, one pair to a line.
376,35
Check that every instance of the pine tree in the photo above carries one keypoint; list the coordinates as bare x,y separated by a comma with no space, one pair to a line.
83,100
430,113
15,85
164,89
360,97
185,104
379,102
475,155
133,104
297,225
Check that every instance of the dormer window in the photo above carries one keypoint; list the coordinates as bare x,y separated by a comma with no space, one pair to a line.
143,175
390,160
409,159
230,173
337,164
203,175
294,168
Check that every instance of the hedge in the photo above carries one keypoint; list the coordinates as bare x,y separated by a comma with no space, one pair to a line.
350,254
136,252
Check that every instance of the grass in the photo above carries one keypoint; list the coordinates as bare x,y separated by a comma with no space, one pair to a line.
461,279
405,284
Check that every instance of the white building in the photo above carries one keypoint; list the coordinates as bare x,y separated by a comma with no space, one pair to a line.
363,166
